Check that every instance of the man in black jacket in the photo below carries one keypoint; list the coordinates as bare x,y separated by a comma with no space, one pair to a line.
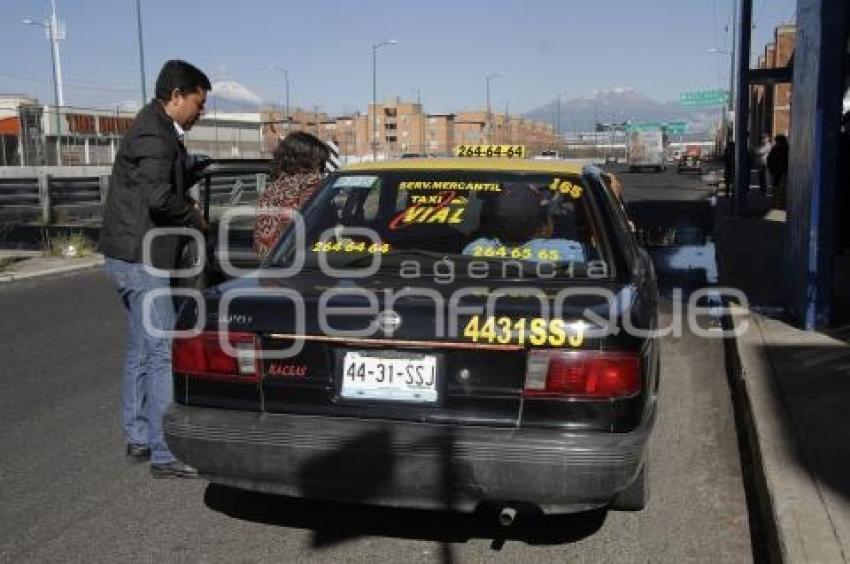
148,190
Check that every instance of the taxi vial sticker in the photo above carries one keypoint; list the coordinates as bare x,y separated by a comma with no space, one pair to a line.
535,331
566,187
499,151
445,208
355,181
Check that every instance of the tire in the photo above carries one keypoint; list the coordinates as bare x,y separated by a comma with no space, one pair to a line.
636,495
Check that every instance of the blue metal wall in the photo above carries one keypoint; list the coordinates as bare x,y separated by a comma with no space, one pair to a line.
814,158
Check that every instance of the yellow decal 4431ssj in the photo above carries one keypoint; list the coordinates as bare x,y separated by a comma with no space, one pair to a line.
535,331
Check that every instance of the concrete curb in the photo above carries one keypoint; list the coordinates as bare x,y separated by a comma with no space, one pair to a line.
77,264
797,527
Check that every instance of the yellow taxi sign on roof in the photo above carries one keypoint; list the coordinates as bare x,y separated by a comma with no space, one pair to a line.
490,151
471,165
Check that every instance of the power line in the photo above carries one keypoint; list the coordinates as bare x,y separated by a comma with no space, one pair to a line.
76,86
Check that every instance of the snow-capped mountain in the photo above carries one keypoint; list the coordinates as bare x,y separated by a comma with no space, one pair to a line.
619,105
231,96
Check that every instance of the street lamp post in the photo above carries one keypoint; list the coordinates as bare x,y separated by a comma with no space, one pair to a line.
375,48
422,120
55,33
489,119
728,108
286,80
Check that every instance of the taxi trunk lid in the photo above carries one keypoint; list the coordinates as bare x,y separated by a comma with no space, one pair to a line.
322,364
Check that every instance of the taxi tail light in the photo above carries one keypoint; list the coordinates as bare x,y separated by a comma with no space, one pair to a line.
582,374
203,356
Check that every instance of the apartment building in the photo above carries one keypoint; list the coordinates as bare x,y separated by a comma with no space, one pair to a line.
771,105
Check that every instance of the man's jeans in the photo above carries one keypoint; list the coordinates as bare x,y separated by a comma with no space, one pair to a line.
148,387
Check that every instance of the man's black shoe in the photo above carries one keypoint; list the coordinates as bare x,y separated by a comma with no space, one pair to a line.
174,469
139,453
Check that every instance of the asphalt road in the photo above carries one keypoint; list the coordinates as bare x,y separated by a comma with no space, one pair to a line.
69,495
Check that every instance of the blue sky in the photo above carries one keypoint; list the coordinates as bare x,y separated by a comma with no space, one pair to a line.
445,49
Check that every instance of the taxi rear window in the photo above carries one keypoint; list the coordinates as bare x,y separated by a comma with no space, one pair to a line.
457,216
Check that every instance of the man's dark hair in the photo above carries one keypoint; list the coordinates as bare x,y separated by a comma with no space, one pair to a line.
299,152
182,76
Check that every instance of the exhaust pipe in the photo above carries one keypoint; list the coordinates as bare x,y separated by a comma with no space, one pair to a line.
507,516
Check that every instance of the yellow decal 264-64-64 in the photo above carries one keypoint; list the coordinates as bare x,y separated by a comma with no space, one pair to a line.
536,331
350,247
498,151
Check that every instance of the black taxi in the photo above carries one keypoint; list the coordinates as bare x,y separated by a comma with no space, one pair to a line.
431,333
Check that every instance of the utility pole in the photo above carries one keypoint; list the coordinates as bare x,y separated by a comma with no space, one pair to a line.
489,119
595,121
507,125
141,52
421,121
55,32
558,122
742,110
374,139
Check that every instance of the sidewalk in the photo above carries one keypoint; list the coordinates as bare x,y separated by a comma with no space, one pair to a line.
21,265
793,390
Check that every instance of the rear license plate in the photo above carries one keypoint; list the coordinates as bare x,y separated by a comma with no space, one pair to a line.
403,377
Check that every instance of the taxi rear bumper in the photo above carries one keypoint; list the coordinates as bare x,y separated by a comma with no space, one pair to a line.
406,464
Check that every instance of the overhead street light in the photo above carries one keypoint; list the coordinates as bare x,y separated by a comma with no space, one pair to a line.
55,31
375,48
490,77
285,72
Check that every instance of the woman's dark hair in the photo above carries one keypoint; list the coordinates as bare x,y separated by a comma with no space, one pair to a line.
182,76
299,152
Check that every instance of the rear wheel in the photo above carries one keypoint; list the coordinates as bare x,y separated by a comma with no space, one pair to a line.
634,497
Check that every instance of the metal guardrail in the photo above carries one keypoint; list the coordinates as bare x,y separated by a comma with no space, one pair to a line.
41,197
73,194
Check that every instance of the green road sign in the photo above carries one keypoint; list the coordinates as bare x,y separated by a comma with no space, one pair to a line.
704,98
644,125
675,127
671,127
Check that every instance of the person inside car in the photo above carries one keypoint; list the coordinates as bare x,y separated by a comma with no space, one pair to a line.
524,228
297,171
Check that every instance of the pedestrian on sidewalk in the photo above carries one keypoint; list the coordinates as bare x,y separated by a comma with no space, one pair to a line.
777,165
148,191
299,162
761,153
842,209
729,167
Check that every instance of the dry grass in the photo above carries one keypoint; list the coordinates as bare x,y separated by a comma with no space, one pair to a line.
74,245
